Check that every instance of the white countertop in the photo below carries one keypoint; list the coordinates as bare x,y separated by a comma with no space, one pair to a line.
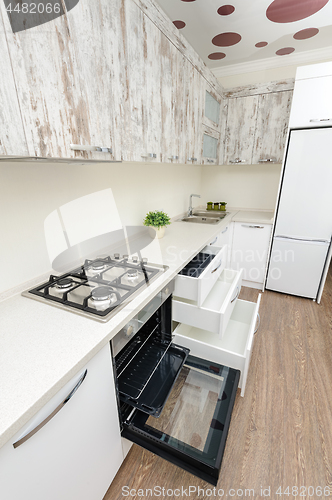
254,216
42,347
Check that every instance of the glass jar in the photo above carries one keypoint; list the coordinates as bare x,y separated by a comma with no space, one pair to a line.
209,205
216,205
223,206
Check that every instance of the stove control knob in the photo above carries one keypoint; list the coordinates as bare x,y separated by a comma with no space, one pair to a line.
125,256
135,259
144,260
117,256
129,330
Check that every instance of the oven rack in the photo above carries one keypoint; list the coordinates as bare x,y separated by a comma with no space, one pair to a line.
148,369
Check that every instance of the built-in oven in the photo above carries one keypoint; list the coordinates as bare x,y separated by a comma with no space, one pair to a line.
176,405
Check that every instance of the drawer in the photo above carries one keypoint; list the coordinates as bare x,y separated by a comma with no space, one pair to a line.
216,309
197,288
234,348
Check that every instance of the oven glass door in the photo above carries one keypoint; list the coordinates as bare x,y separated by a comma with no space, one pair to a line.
192,429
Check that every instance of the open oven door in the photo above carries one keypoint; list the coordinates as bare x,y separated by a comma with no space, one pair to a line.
192,427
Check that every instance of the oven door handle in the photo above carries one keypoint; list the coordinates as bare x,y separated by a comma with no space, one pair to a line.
51,415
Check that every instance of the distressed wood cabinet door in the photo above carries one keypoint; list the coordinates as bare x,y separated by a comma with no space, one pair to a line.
271,126
12,137
97,35
52,103
240,129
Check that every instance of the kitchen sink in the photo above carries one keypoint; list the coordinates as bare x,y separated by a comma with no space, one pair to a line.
210,213
201,220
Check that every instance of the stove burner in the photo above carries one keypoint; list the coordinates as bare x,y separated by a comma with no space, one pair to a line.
64,283
132,274
98,265
104,293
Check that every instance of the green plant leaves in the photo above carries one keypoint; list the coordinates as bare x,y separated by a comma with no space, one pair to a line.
156,219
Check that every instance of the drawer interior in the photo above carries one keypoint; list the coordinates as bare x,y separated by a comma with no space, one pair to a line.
236,334
196,266
218,294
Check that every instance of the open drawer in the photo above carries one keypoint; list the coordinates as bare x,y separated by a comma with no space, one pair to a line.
198,285
216,309
234,348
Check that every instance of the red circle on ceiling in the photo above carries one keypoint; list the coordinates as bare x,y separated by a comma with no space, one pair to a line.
285,51
179,24
226,10
215,56
226,39
307,33
289,11
261,44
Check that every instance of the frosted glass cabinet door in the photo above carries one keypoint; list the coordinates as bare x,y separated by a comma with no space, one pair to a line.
76,454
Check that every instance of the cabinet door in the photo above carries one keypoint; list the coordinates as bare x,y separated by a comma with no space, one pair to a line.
271,127
312,103
249,249
240,129
52,102
13,141
76,454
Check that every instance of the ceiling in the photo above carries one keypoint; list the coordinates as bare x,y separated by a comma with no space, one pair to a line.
234,32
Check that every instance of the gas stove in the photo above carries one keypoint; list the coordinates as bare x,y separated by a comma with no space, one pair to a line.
98,288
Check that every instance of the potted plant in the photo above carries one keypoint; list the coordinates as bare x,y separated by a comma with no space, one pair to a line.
157,222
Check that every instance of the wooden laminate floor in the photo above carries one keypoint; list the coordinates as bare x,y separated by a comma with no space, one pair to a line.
281,431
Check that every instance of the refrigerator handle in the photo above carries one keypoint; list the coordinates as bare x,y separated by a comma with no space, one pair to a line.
280,237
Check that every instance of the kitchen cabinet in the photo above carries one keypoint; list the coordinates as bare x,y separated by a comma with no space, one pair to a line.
240,129
12,131
316,110
271,127
249,250
76,454
234,348
224,238
257,127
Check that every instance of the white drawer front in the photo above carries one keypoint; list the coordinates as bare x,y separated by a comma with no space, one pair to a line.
216,309
197,289
234,348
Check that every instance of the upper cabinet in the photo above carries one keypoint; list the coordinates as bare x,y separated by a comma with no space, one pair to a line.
312,102
271,127
240,129
256,127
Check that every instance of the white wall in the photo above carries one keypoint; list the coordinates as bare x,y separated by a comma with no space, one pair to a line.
29,192
242,186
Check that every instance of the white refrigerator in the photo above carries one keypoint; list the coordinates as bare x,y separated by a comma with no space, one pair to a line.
302,234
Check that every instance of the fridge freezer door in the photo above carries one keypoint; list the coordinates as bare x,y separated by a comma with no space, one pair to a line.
296,266
305,204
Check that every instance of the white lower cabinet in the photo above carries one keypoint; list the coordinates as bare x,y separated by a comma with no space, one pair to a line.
71,449
234,348
199,276
216,309
250,249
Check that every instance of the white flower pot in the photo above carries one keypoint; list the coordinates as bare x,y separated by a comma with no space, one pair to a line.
157,232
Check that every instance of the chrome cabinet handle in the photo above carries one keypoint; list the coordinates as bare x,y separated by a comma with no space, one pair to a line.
315,120
149,155
236,295
214,270
259,322
267,160
252,227
173,157
237,160
54,412
212,242
192,159
223,232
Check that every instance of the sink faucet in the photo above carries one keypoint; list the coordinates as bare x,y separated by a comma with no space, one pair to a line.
190,210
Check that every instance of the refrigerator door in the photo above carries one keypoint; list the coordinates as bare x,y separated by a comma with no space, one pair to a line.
305,205
296,266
